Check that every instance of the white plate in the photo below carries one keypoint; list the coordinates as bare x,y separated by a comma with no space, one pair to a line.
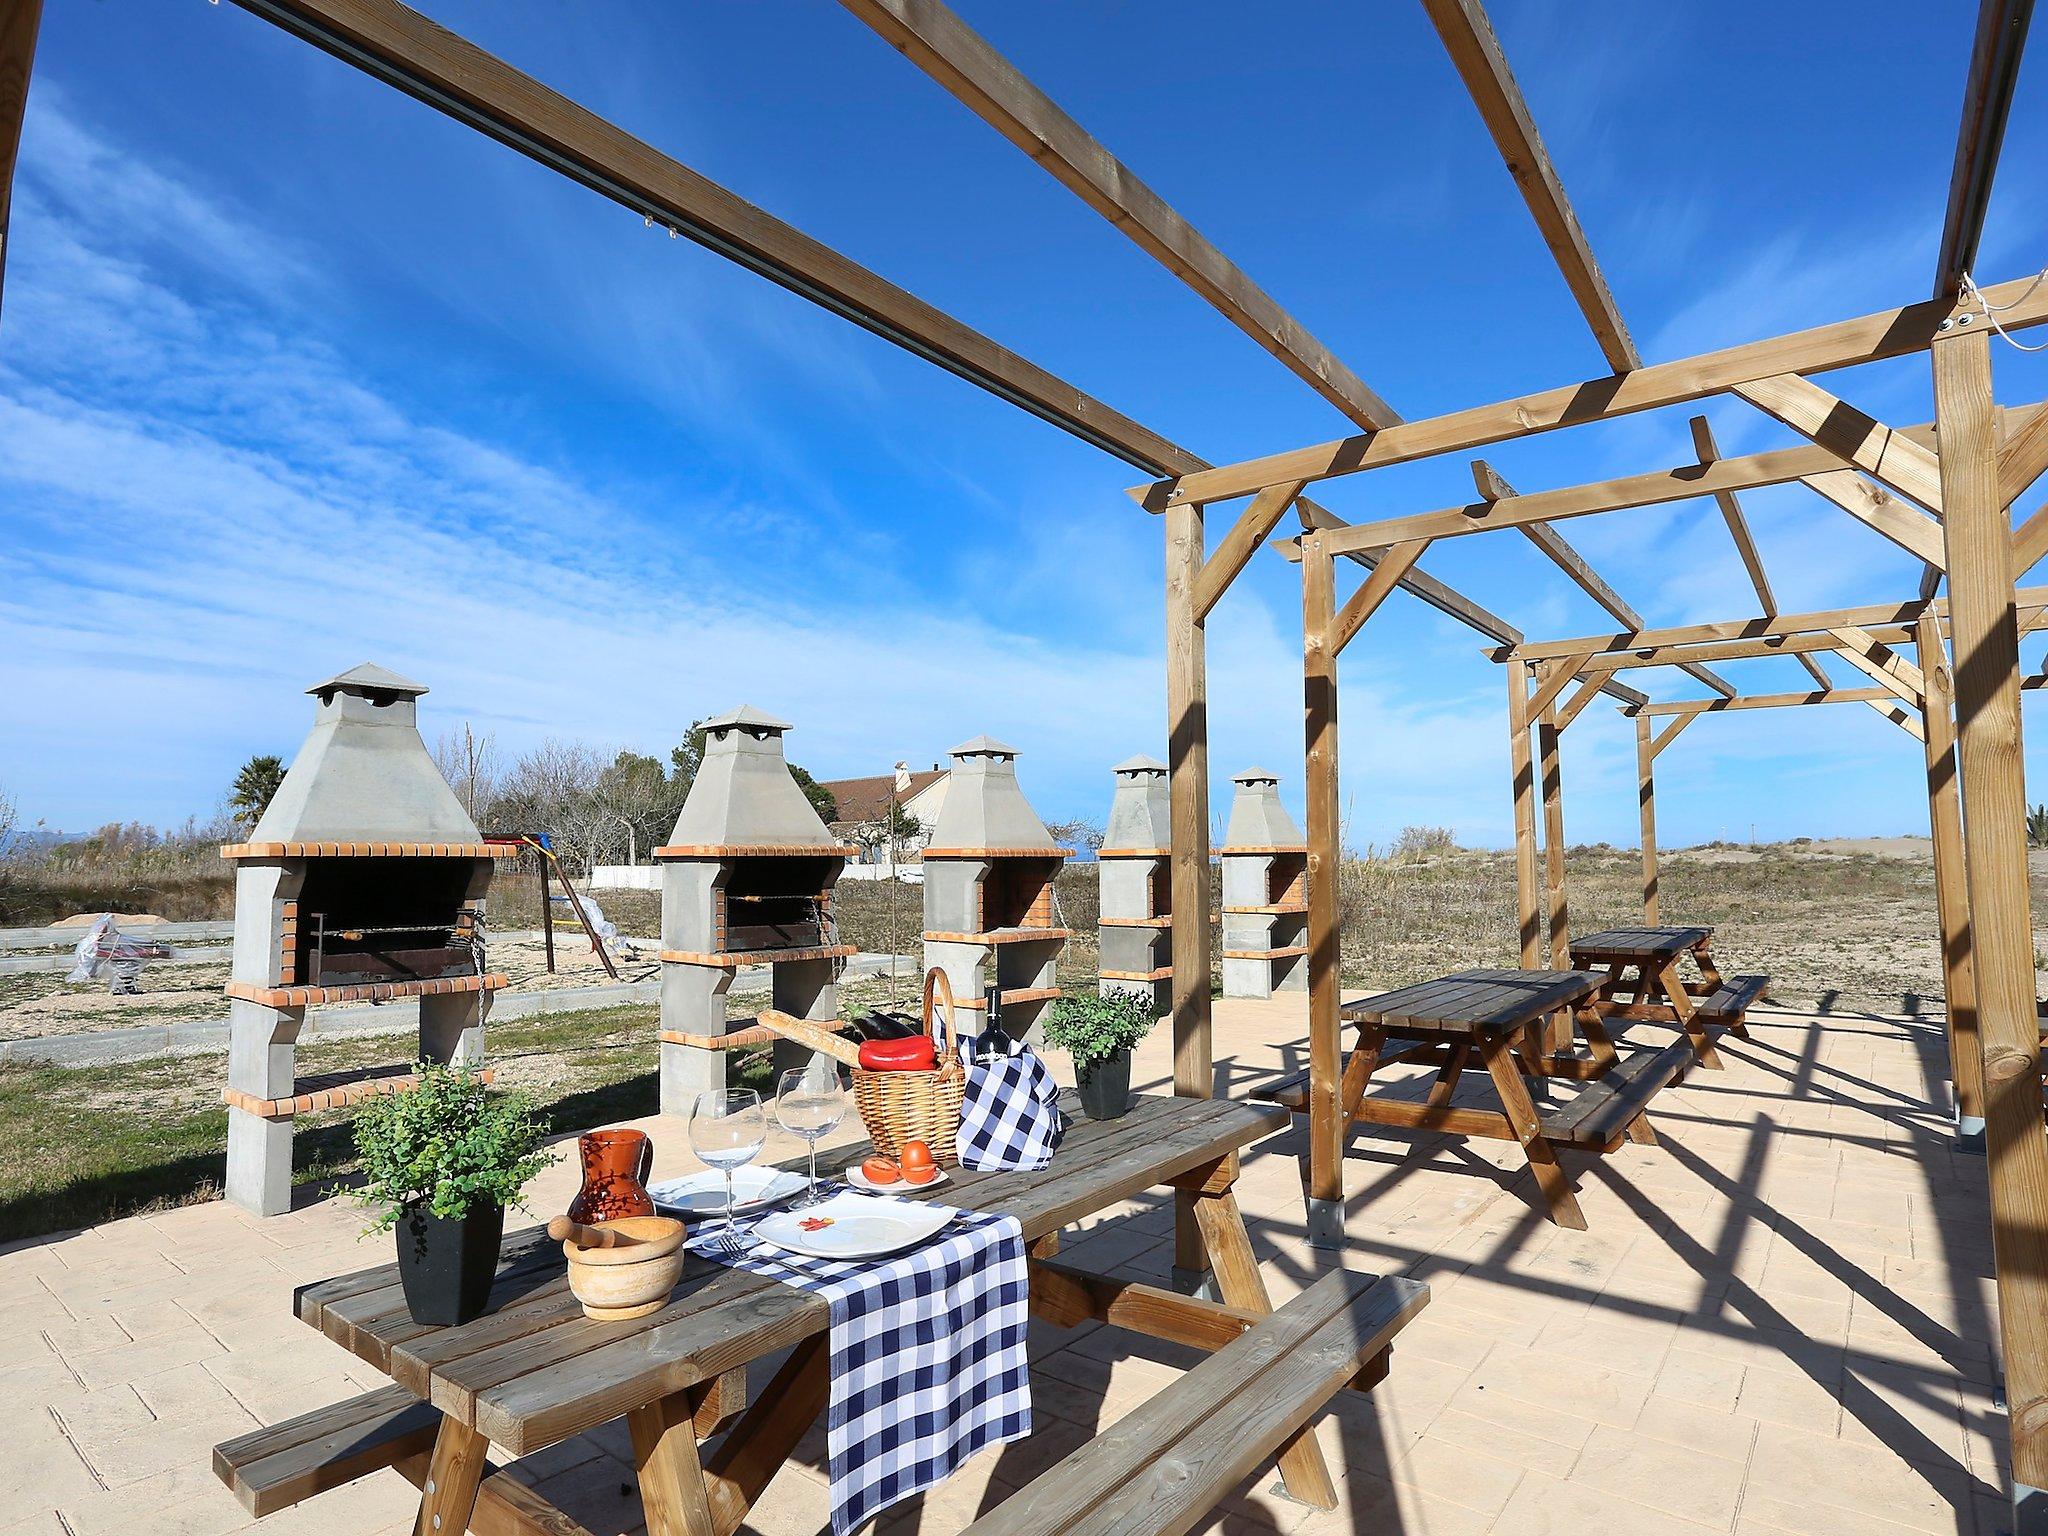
703,1194
857,1227
902,1186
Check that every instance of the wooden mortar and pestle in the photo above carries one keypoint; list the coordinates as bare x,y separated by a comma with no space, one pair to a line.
623,1269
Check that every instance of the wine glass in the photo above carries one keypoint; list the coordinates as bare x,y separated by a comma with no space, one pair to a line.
810,1102
728,1130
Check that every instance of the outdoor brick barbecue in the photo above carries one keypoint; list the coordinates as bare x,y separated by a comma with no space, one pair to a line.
746,879
363,881
1136,927
1265,892
989,909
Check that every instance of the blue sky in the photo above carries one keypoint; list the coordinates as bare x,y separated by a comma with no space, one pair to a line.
295,373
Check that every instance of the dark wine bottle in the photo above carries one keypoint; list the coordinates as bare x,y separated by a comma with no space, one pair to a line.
993,1043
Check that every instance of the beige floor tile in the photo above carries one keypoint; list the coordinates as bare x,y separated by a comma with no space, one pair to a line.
1703,1380
1863,1479
1547,1506
1372,1506
1675,1479
1567,1383
1727,1435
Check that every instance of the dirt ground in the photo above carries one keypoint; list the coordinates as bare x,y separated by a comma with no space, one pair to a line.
1841,925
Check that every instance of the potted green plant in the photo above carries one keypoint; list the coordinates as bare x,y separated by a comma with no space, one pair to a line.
440,1163
1099,1032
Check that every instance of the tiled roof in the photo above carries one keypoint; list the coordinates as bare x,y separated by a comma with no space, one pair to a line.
868,799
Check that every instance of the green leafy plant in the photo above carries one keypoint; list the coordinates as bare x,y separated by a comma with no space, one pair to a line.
2037,827
1091,1029
447,1147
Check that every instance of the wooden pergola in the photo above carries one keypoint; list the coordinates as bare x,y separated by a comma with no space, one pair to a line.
1948,505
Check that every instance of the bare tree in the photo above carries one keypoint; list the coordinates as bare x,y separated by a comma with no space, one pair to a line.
469,763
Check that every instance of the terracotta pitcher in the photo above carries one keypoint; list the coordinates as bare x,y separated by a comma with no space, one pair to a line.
615,1169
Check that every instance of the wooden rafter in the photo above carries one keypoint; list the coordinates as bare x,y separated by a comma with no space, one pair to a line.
1894,617
1469,40
1882,665
20,21
937,41
1240,544
1384,577
1895,460
1843,344
1669,734
1987,98
1554,681
1906,526
1900,716
2024,457
2030,542
1774,467
1771,701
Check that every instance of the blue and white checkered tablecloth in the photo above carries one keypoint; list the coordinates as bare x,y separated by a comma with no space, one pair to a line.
928,1363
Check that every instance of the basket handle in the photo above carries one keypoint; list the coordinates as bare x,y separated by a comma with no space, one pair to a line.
934,983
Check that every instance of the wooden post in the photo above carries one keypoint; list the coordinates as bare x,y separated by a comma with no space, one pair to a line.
1978,539
1951,894
1327,1119
1187,760
1646,808
1523,771
20,21
1547,736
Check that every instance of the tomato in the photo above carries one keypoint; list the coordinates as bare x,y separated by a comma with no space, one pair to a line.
919,1166
879,1170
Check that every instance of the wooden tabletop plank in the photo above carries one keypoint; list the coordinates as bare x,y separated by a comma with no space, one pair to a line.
1476,1001
1644,943
534,1370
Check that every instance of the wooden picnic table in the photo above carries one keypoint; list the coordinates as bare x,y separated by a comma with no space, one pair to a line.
1498,1015
1646,960
534,1370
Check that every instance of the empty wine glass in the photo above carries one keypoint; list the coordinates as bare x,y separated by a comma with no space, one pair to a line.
728,1130
810,1102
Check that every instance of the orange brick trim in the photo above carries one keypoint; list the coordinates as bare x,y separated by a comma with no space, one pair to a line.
1138,922
728,959
1161,974
371,851
752,1035
1133,853
1285,952
366,992
998,853
1278,908
1013,995
1301,848
334,1090
1000,936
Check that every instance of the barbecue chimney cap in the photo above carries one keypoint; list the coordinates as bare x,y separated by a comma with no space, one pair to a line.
746,718
984,746
1140,764
1257,776
368,679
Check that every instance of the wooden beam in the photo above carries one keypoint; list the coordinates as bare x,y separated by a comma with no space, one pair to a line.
1890,457
20,22
1669,734
938,42
1731,512
1522,783
1951,895
1908,527
1240,544
1395,564
1187,761
2023,458
1817,622
1328,1118
1469,39
1994,808
1768,701
1552,679
1646,810
1551,771
1900,716
1868,338
1987,98
1682,483
2030,542
1730,650
1882,665
1815,670
1589,689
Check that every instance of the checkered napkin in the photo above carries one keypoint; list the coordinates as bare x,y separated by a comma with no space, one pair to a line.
927,1357
1010,1119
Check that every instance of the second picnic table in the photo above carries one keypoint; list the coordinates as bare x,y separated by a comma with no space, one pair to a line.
1646,959
1497,1016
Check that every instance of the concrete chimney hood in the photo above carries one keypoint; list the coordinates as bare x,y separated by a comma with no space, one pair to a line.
1141,814
985,809
1257,818
744,795
364,774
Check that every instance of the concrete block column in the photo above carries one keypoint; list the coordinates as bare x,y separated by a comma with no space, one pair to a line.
1135,929
1265,892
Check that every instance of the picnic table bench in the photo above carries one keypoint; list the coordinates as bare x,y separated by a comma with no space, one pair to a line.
1498,1016
533,1370
1646,960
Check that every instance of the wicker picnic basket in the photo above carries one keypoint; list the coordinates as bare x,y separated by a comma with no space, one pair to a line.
898,1107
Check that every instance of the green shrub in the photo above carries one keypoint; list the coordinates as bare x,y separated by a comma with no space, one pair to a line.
1091,1028
447,1147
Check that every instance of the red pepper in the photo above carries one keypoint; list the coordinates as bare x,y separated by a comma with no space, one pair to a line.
914,1054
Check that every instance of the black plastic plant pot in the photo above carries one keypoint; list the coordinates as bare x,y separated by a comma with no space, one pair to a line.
446,1263
1105,1086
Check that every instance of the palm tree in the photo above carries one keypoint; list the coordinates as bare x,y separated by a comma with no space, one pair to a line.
250,795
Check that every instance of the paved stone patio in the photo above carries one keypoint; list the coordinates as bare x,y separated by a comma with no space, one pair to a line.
1781,1321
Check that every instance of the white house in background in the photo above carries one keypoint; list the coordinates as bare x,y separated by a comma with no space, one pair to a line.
864,808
